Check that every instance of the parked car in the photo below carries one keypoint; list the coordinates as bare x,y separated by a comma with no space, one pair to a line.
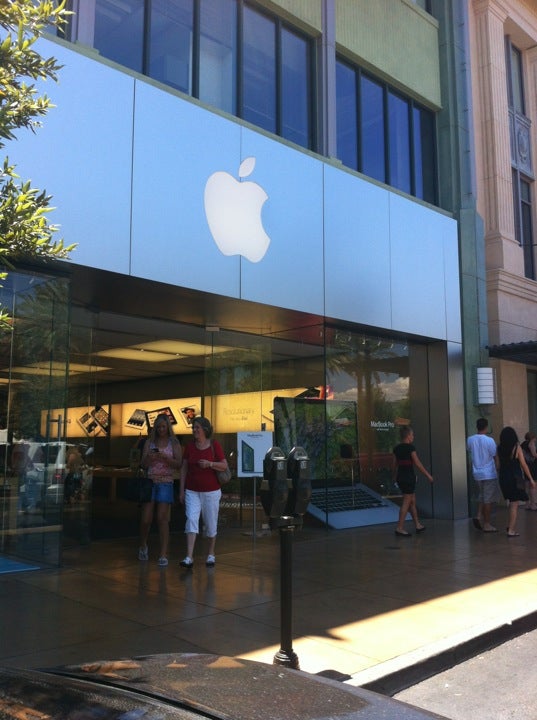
190,686
40,466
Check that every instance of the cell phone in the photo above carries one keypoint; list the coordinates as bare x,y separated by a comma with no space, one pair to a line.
101,417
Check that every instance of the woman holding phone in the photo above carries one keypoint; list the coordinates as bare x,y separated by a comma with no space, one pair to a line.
161,457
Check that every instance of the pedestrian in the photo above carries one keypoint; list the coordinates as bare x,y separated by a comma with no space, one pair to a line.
529,449
512,467
482,449
200,490
404,463
162,458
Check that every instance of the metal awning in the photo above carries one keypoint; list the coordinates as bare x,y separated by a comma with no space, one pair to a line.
522,352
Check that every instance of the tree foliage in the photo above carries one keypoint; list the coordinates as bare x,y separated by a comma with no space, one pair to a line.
25,230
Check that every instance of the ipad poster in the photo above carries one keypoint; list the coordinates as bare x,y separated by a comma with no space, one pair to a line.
251,450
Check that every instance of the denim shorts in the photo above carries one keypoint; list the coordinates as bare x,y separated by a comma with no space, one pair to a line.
163,492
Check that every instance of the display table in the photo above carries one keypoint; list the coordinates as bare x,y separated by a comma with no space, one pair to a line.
110,474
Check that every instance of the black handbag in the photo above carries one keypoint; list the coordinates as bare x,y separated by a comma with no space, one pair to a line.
139,489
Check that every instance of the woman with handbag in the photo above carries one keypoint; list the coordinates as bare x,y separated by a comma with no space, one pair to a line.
161,457
512,468
200,488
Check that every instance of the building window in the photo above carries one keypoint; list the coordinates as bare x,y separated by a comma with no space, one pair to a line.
119,31
227,53
522,191
371,129
383,134
515,79
218,54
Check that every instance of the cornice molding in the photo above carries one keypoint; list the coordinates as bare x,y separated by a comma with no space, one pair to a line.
502,281
495,7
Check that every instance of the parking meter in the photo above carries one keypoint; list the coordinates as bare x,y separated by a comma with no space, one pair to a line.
298,472
274,489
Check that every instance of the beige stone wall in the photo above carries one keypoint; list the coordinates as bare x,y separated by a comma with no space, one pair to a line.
512,298
307,11
396,40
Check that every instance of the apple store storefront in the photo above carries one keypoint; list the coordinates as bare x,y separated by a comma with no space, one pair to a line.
94,357
218,270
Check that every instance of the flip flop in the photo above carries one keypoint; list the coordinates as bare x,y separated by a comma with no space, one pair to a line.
402,534
477,523
515,534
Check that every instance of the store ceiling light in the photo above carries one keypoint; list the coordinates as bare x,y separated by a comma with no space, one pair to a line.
179,347
138,354
162,351
56,369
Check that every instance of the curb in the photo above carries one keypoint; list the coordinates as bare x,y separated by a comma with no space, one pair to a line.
400,680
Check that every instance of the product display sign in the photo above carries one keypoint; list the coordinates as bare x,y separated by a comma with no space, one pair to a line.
251,450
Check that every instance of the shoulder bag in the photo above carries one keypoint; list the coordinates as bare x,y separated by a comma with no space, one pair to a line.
224,476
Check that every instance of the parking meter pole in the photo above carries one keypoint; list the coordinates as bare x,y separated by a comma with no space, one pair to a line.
286,655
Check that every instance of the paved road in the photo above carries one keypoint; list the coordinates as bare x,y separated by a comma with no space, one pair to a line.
499,684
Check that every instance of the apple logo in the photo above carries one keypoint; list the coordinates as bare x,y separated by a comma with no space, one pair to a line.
233,211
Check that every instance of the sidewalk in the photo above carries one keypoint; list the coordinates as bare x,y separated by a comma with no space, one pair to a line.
367,605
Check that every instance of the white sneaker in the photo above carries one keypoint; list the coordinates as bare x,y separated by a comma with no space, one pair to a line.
143,553
187,562
163,562
210,561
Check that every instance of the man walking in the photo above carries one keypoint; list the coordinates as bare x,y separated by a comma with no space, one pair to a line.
482,449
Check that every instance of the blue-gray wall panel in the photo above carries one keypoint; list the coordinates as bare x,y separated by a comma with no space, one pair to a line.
291,273
417,268
357,249
82,156
177,146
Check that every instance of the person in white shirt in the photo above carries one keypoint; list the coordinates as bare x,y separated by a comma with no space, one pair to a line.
482,449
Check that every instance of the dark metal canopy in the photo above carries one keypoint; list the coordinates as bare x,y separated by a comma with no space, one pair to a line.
522,352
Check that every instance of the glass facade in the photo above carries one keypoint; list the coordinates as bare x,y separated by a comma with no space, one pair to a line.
384,135
240,58
33,397
229,54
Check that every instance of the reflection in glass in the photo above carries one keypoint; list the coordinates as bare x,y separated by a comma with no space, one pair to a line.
372,129
399,142
295,89
424,155
119,31
346,116
33,362
218,54
373,373
259,70
170,44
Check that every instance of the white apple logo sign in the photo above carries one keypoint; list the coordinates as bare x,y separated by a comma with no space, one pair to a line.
233,211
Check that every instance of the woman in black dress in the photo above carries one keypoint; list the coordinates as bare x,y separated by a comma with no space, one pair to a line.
404,463
512,468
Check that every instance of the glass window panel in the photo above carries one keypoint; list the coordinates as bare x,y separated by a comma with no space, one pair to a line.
371,375
517,82
527,230
295,89
33,385
218,54
424,155
346,116
119,31
259,70
372,129
399,139
170,43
